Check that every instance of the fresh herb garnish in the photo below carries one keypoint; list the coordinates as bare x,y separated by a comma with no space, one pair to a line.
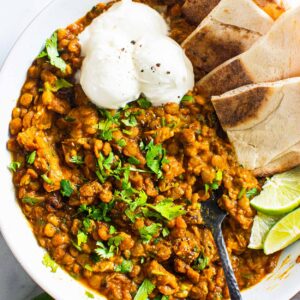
81,238
242,193
125,267
148,232
78,160
103,251
89,295
134,161
46,179
31,157
130,121
121,143
98,213
49,263
155,158
144,103
52,53
187,98
201,262
105,126
65,188
112,229
30,200
219,175
144,290
165,232
14,165
251,193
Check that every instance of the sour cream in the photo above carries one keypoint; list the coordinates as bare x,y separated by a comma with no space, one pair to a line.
128,53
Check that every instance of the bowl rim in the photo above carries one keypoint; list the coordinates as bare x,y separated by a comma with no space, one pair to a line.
11,241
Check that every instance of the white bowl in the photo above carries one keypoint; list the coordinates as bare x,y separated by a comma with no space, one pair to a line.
282,284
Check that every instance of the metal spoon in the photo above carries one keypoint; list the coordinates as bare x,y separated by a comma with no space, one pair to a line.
213,217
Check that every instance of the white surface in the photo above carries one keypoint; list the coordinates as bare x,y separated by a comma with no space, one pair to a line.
14,283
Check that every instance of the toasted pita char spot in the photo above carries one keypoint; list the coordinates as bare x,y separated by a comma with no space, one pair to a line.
196,10
273,57
269,129
225,33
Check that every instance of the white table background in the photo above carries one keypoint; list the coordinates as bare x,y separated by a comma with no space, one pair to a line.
15,15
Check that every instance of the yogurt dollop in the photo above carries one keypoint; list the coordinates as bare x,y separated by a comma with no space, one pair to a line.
128,53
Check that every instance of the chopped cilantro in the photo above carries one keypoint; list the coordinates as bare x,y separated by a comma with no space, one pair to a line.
61,84
49,263
115,241
251,193
214,186
125,267
128,132
130,122
86,223
103,251
134,161
65,188
88,267
31,157
51,52
206,188
46,179
165,232
155,158
168,209
98,213
121,143
81,238
78,160
112,229
105,126
14,165
163,121
219,175
144,103
89,295
242,193
144,290
187,98
148,232
201,263
30,200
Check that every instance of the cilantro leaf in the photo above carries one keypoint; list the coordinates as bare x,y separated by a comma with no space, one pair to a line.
14,165
78,160
134,161
89,295
30,200
112,229
251,193
86,223
31,157
148,232
46,179
65,188
187,98
144,290
144,103
61,83
242,193
155,158
49,263
219,175
81,238
168,209
103,251
165,232
52,53
130,122
201,263
125,267
122,143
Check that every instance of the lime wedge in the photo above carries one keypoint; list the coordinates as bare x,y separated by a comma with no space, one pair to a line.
280,194
283,233
261,227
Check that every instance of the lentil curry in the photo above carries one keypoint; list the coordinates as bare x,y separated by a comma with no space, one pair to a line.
114,196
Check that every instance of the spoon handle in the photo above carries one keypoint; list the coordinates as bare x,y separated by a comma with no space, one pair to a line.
228,271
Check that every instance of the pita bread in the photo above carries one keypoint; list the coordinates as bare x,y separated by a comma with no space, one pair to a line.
274,57
225,33
262,123
196,10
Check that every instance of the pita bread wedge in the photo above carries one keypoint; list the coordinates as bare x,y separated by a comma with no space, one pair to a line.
274,57
196,10
285,162
262,123
230,29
